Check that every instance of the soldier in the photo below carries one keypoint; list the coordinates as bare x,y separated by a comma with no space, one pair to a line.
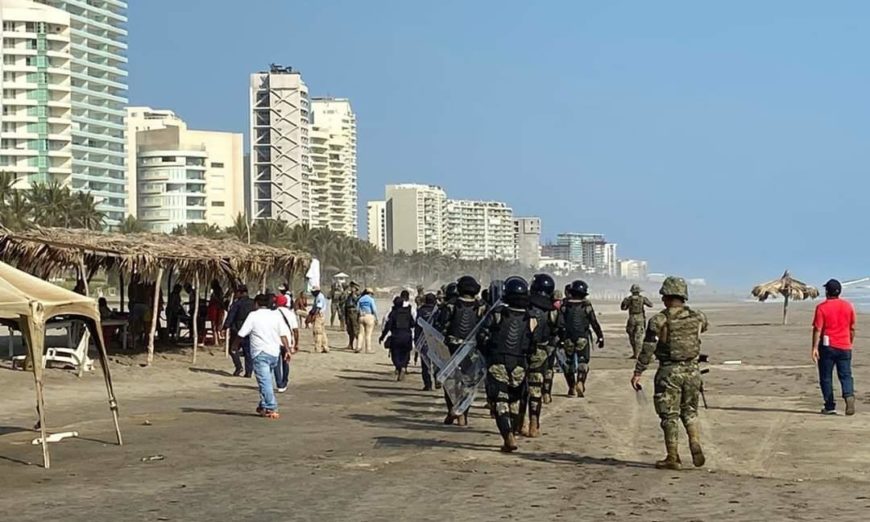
577,320
351,316
546,319
506,341
420,297
459,316
674,335
635,304
336,303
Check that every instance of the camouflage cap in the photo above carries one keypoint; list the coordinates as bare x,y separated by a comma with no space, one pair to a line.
675,286
635,289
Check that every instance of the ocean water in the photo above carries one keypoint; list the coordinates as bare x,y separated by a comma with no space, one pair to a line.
860,297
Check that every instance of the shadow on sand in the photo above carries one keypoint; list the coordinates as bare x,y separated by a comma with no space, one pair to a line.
753,409
220,373
548,457
218,411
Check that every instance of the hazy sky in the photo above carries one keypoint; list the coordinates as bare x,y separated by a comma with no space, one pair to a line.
725,141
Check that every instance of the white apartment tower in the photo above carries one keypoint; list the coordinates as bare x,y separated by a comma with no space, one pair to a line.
280,163
36,116
415,218
98,72
376,222
477,230
333,165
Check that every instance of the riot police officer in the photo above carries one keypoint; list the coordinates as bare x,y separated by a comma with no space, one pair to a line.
506,341
577,320
544,346
459,315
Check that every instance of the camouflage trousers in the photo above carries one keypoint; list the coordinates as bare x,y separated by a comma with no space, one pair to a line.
635,328
351,324
549,371
535,376
505,386
677,387
577,354
336,310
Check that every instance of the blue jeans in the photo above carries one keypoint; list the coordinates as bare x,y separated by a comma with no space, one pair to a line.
829,358
282,374
264,367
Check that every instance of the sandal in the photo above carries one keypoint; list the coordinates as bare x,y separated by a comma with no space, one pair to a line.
270,414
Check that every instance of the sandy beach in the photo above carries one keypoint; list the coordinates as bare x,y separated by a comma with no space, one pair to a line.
353,444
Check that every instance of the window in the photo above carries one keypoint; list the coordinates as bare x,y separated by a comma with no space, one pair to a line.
217,203
167,159
217,165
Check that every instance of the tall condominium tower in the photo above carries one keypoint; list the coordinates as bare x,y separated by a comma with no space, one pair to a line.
98,80
415,218
280,163
376,221
478,230
333,164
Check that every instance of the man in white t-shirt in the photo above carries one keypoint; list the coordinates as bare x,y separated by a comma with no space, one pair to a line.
267,335
289,318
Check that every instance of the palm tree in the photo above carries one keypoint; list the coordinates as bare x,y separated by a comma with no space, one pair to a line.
131,225
789,288
16,211
270,232
52,204
240,229
7,186
84,213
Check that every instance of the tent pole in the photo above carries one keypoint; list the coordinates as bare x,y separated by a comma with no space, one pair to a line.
195,317
107,376
155,316
84,276
34,334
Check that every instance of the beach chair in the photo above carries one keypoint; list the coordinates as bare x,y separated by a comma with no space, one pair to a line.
76,357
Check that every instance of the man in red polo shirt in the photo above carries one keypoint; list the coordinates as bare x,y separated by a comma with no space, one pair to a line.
833,335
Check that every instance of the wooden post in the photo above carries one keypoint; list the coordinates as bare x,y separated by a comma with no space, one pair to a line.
263,284
195,317
121,282
155,316
227,337
785,308
84,275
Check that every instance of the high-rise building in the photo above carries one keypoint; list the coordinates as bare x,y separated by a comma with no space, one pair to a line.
591,252
183,176
36,116
98,80
333,165
280,162
376,222
143,119
415,218
478,230
633,269
528,240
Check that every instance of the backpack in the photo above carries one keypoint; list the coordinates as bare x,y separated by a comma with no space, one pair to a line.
681,334
402,319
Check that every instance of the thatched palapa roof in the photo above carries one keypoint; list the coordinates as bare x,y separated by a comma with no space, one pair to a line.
785,286
49,251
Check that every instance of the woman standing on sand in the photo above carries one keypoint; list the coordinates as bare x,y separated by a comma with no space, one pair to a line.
399,327
215,312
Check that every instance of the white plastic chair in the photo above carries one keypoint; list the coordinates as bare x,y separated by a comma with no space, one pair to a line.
76,357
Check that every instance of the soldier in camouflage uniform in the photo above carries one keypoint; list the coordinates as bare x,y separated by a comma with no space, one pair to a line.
577,321
506,342
550,371
351,316
674,335
635,304
544,345
337,296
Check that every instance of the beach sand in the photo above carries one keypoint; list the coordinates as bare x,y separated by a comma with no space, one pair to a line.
353,444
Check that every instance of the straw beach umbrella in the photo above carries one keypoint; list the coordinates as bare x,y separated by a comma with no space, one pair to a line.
788,287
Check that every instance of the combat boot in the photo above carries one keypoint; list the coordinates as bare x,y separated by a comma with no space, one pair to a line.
510,443
672,460
534,427
694,433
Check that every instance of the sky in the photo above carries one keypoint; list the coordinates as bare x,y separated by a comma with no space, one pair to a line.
726,140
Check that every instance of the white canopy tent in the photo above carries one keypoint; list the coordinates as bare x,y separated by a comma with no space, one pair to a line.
28,302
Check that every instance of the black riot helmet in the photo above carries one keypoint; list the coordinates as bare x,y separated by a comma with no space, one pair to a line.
516,291
467,286
451,292
543,284
578,289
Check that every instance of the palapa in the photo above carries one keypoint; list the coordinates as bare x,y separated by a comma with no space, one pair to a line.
788,287
47,252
